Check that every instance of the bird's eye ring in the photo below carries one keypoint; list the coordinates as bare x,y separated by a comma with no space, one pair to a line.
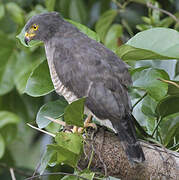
35,27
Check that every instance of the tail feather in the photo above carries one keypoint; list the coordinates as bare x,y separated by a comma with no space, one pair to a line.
127,136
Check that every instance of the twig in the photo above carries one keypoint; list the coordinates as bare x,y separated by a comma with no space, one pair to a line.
90,160
56,173
162,10
156,127
12,174
41,130
18,171
62,123
169,82
142,97
117,3
121,6
36,169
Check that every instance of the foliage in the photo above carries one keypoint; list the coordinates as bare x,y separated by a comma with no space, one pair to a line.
26,92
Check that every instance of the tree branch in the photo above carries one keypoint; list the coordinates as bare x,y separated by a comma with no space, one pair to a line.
149,5
160,163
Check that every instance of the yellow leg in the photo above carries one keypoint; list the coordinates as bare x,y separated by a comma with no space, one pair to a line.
75,129
87,123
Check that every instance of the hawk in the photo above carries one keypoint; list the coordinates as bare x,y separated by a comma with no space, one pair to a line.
81,67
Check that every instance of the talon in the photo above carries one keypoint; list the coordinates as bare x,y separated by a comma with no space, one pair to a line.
88,123
80,130
93,125
75,129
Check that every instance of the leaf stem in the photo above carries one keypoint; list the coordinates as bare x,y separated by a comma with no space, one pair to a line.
156,127
91,158
41,130
169,82
149,5
142,97
12,174
62,123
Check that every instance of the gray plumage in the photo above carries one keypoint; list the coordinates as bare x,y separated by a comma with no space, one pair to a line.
79,67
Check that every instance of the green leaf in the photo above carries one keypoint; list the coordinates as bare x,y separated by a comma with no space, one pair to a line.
86,174
2,11
69,140
91,34
112,36
54,127
68,177
169,128
16,12
149,106
130,53
167,106
21,37
146,20
172,89
50,4
67,157
39,82
8,118
147,80
65,153
13,102
9,132
28,61
161,41
77,11
7,62
104,23
51,109
143,27
45,159
177,69
2,146
74,113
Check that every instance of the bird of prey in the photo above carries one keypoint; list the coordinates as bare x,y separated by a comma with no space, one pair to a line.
81,67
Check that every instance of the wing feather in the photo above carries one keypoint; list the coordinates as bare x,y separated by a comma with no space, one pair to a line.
89,69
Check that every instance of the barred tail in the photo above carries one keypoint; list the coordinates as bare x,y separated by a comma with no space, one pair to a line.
127,136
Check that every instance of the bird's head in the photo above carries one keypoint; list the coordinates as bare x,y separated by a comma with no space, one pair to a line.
42,27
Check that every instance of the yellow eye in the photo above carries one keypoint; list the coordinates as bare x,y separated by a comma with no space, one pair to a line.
35,27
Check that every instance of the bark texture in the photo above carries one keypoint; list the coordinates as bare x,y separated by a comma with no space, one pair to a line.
108,158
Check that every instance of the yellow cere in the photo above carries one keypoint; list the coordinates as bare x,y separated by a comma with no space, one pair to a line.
29,35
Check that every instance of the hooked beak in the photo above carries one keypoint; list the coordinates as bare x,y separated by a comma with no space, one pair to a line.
28,37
